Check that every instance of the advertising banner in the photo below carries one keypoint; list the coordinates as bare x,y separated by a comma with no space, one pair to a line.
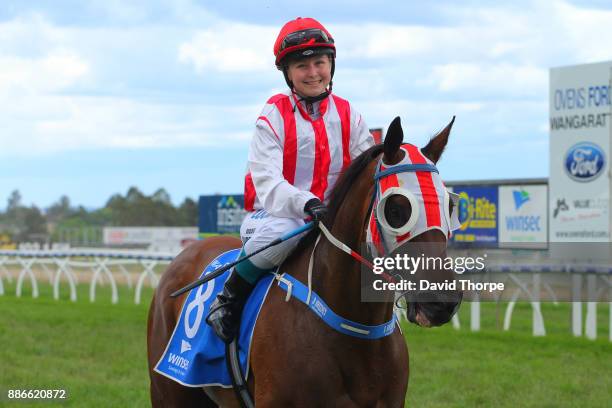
478,215
221,214
523,216
377,134
162,237
580,153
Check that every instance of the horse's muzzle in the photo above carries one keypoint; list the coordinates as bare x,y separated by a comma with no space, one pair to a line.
433,310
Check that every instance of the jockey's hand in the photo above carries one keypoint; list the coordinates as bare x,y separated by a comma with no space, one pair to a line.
316,209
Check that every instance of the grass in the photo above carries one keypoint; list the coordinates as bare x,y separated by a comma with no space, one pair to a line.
452,368
97,352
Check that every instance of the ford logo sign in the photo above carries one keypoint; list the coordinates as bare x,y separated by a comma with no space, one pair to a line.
584,161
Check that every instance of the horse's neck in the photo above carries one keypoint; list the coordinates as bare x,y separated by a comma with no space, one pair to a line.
337,279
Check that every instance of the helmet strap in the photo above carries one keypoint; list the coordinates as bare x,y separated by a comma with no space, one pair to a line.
286,75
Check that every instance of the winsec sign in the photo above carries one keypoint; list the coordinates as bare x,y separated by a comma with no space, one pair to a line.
579,153
522,216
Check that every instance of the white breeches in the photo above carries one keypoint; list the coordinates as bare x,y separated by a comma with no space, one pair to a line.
259,229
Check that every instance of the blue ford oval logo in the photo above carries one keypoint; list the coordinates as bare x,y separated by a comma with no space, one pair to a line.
584,161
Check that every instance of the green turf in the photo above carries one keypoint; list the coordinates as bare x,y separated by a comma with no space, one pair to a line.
97,352
450,368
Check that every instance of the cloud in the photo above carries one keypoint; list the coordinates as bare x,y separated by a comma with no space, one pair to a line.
73,90
534,33
499,78
51,73
585,30
230,47
69,87
76,122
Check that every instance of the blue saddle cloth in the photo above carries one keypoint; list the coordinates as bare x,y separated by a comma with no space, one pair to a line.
195,356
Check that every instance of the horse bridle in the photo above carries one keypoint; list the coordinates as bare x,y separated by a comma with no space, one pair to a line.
379,174
402,168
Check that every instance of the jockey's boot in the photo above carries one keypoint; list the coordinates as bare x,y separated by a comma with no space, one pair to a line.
225,311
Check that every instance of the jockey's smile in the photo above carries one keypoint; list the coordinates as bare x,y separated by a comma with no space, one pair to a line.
310,76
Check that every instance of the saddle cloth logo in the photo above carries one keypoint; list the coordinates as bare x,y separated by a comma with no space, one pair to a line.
195,356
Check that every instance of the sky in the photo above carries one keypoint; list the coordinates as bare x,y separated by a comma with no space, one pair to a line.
98,96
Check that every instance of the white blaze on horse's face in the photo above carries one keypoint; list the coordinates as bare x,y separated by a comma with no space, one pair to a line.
408,203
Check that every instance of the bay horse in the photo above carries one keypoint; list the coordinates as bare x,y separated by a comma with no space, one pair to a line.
297,360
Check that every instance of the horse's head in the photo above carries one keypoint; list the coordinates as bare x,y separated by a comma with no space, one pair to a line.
413,215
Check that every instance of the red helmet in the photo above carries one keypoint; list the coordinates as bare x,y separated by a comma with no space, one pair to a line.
303,34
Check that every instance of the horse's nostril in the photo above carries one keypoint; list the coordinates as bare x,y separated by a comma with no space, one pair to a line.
412,312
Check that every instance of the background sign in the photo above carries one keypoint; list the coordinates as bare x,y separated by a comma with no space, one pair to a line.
221,213
155,238
523,219
377,134
580,153
478,215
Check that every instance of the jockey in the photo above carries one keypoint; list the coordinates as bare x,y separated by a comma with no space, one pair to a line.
303,140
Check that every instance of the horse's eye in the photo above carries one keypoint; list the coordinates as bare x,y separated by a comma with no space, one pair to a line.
397,211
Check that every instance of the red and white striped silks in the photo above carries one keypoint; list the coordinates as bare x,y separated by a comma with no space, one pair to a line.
294,158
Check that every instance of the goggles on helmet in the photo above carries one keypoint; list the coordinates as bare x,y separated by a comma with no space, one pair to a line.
310,36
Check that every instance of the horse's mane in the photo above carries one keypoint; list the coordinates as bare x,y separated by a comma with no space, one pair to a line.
346,180
341,189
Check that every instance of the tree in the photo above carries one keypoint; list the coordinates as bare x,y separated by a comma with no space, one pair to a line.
161,196
14,201
26,224
34,225
59,210
137,209
14,219
116,201
134,209
134,195
188,213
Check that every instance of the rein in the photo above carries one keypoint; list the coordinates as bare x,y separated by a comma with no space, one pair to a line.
343,247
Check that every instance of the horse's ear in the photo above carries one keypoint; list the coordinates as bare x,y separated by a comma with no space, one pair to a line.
436,145
393,141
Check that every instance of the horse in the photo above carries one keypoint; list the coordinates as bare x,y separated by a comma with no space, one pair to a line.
296,359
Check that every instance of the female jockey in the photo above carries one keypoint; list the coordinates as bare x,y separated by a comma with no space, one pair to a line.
303,140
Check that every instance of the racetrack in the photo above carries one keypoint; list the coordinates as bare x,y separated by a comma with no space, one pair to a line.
97,352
